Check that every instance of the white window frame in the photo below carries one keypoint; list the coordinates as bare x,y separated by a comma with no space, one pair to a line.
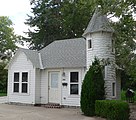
20,83
72,83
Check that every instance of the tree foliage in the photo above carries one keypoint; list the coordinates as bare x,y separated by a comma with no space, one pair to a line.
92,88
7,47
60,19
7,36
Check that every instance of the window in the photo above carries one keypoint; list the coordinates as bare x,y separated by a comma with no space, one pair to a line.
113,89
20,82
105,72
74,79
89,44
24,82
54,79
16,82
113,44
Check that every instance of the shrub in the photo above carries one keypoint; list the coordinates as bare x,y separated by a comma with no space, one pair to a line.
112,109
123,97
92,89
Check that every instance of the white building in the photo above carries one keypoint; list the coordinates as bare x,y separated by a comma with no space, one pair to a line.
55,73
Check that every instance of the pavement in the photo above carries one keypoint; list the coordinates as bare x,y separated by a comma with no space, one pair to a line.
16,112
3,99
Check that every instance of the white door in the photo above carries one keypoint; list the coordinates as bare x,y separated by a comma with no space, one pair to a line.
54,87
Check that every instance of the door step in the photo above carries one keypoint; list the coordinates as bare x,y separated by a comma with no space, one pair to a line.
52,105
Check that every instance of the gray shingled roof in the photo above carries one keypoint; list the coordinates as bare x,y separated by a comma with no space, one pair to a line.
98,23
32,56
64,53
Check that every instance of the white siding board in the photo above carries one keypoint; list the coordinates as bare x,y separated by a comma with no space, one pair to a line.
44,87
102,49
38,87
20,64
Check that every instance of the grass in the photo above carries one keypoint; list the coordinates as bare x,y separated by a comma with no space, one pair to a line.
3,94
123,97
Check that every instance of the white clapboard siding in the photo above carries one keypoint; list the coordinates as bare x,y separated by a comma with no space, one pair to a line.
102,49
38,87
20,64
66,98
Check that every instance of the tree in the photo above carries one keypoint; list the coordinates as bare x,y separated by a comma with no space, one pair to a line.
92,88
60,19
54,21
7,47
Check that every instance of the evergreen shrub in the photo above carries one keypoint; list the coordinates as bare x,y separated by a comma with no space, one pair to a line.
112,109
92,88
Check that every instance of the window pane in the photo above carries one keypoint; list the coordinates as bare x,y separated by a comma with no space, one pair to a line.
16,77
24,87
74,77
74,89
113,89
54,80
16,87
25,77
89,44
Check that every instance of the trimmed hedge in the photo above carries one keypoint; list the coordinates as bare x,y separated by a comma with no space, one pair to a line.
112,109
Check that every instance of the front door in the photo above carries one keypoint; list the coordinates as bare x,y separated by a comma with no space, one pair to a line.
54,87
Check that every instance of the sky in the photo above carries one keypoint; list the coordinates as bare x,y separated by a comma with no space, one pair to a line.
17,11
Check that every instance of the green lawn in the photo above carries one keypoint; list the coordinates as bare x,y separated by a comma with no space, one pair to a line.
3,94
123,97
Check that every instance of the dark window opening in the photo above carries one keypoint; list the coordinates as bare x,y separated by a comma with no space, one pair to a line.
25,77
16,77
74,77
113,89
16,87
24,87
89,44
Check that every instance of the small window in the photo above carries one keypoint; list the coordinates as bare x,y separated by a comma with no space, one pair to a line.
16,77
24,77
24,82
89,44
74,77
113,89
113,49
74,89
16,82
24,87
74,85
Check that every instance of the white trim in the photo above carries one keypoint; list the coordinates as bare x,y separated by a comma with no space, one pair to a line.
20,83
40,60
79,84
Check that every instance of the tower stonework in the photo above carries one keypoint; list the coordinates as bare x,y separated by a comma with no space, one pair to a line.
99,44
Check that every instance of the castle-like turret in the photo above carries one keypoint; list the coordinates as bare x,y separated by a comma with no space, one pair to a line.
100,44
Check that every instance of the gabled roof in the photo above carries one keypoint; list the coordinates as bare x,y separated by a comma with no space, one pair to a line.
32,56
64,53
98,23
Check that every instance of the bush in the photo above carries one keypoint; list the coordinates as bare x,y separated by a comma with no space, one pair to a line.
92,89
123,96
112,109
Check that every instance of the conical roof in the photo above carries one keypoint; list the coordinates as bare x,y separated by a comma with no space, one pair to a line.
98,23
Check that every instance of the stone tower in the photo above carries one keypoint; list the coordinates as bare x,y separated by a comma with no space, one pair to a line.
99,43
